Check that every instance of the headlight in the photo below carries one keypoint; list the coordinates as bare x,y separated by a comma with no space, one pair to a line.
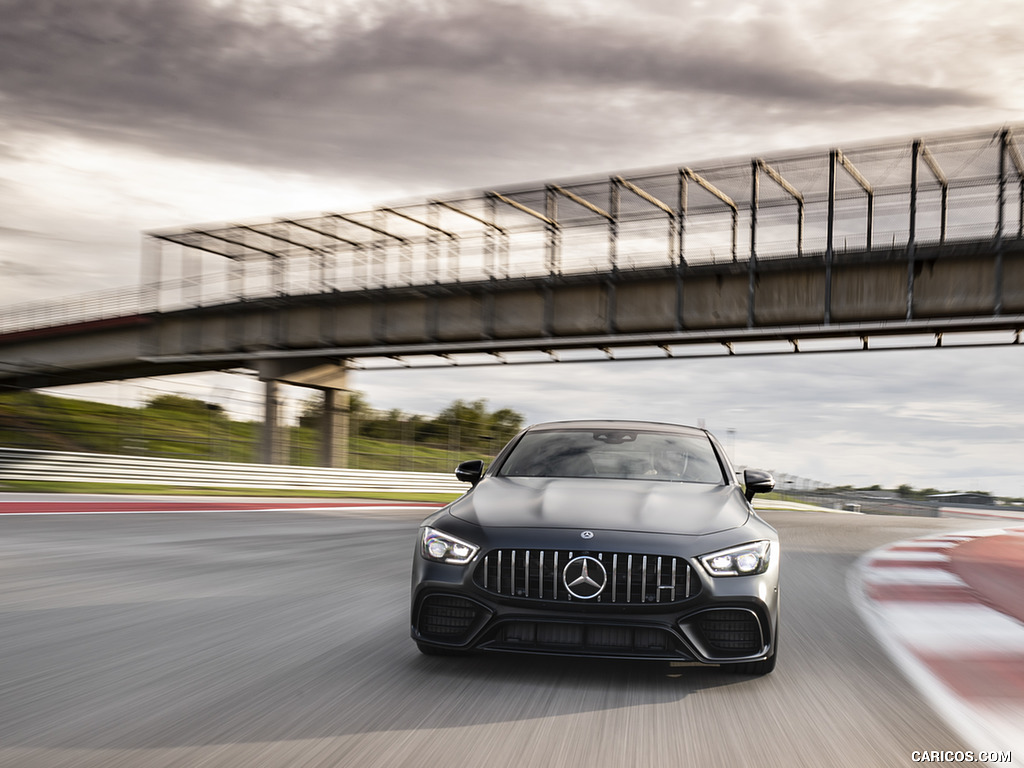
744,560
445,548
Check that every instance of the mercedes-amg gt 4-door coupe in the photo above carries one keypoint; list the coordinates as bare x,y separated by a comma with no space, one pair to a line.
614,539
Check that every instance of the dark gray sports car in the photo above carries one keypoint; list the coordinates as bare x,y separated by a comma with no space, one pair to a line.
602,538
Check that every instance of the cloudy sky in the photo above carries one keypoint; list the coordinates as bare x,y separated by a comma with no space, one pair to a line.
120,116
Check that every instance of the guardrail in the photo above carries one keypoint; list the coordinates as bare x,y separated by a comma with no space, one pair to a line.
62,467
976,513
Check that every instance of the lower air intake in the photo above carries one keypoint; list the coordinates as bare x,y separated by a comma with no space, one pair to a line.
447,618
539,636
731,632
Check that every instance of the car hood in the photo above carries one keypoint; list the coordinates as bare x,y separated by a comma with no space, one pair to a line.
603,504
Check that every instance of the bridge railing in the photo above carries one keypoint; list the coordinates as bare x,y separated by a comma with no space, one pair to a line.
79,308
889,196
62,467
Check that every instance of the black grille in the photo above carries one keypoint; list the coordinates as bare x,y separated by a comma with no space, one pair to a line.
446,617
632,579
580,638
731,632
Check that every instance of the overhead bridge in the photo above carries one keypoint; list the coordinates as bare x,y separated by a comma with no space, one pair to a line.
841,249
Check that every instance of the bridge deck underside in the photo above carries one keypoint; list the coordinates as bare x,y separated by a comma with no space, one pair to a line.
714,309
866,295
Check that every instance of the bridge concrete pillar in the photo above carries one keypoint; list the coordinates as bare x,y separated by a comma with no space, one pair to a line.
329,377
274,442
334,435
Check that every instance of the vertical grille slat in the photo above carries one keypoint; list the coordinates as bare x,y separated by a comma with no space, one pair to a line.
632,578
629,578
657,587
540,576
554,579
643,581
615,575
526,573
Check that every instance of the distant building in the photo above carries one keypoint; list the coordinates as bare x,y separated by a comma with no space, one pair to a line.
974,499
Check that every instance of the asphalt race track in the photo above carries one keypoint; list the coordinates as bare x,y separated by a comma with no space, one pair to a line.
280,638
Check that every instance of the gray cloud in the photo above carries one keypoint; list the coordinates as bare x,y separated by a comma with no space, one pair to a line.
445,84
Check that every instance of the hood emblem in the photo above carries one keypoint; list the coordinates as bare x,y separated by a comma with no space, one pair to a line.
585,577
587,535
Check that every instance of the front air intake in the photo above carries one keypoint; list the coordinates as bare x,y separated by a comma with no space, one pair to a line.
448,618
731,631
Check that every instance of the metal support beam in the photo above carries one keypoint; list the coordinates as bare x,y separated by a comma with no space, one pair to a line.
273,235
915,153
523,208
702,182
233,241
490,244
612,216
752,263
486,222
432,248
554,251
643,195
324,233
793,192
933,166
755,188
550,219
659,204
681,210
833,160
614,202
857,176
1014,153
375,229
583,202
1004,141
420,222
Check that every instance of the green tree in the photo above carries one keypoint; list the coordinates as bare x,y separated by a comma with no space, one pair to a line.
506,424
469,425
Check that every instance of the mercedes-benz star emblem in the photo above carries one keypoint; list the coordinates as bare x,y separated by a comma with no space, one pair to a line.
584,577
587,535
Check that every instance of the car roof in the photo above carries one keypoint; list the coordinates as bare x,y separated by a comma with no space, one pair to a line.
650,426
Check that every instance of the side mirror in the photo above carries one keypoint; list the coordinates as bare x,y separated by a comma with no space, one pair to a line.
470,471
757,481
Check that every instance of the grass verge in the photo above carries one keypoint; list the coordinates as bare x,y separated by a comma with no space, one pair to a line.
31,486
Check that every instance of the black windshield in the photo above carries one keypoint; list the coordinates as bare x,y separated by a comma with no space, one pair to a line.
615,453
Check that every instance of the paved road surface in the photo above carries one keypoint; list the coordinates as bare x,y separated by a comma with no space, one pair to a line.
238,638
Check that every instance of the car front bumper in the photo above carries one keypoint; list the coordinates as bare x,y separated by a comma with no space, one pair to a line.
721,621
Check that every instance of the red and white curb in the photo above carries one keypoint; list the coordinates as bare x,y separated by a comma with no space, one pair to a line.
963,655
